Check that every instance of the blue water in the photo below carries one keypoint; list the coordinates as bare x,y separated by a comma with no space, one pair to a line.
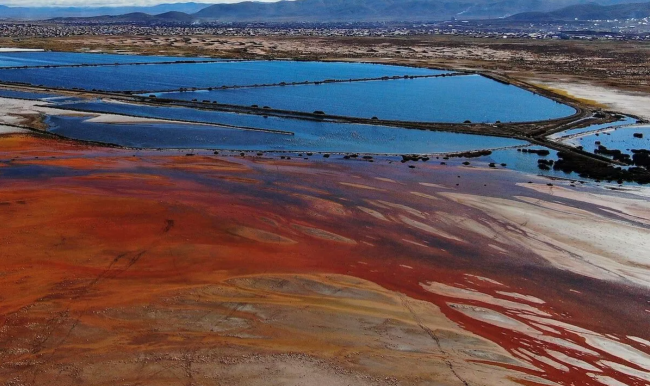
160,77
185,114
24,95
621,122
527,162
307,136
26,59
615,139
451,99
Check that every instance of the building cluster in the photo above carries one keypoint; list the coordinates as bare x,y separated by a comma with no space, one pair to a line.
593,30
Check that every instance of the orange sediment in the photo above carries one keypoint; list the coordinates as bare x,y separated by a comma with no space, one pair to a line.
159,268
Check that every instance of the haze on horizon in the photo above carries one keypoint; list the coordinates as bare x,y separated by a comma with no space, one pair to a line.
109,3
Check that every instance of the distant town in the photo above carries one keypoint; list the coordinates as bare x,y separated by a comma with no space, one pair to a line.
631,29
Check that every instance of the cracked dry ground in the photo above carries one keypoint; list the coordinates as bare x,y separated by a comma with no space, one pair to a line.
152,268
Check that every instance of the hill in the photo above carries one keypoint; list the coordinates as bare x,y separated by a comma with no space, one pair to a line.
591,11
313,11
42,13
379,10
171,17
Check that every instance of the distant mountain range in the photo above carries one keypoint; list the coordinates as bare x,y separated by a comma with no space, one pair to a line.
380,10
335,11
171,17
589,12
43,13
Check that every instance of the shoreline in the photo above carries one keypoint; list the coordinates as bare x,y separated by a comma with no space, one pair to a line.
535,132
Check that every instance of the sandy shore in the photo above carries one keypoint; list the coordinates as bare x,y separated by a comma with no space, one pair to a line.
10,129
626,102
9,49
26,112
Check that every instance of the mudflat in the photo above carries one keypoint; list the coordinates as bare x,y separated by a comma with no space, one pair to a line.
149,267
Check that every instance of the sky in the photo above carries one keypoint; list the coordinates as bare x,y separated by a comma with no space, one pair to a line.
103,3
